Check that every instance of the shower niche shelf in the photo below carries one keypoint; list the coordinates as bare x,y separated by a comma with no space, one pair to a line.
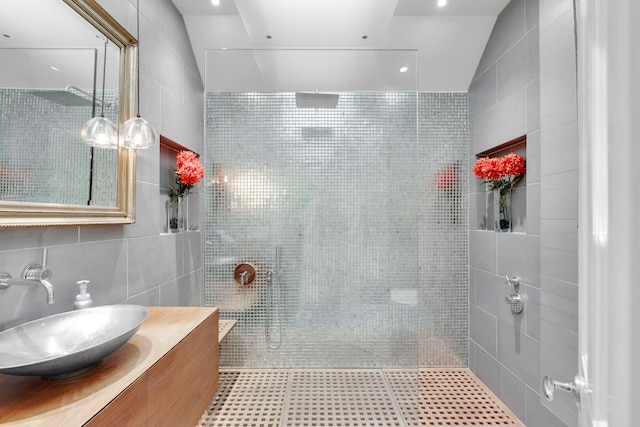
516,145
168,151
484,198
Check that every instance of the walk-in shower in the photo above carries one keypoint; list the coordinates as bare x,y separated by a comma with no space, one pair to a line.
359,244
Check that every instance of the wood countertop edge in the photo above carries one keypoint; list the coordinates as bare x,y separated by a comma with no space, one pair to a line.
33,401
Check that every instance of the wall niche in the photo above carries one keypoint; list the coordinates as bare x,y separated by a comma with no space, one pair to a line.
484,201
168,151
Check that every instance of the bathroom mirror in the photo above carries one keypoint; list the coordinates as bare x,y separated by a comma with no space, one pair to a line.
56,56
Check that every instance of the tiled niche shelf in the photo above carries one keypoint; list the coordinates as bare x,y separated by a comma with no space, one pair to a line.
168,151
484,199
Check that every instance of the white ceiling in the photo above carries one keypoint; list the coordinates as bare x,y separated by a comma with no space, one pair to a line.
319,44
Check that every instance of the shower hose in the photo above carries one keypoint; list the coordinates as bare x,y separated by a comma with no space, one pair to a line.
274,304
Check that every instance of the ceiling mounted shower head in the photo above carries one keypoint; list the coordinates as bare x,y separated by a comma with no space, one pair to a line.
71,96
316,100
64,98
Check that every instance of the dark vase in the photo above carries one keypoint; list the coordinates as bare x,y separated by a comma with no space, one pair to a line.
502,210
176,218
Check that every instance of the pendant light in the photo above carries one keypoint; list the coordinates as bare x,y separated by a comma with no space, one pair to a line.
137,133
99,131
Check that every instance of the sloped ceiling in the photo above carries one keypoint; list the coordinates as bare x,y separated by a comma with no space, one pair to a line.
338,45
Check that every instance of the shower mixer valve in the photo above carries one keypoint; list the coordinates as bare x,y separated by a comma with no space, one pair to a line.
514,298
244,274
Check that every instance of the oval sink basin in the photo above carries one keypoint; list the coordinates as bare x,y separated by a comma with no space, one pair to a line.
68,344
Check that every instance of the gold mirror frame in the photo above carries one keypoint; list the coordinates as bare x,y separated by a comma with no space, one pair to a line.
20,214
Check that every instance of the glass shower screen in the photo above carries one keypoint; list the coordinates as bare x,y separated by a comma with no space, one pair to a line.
312,171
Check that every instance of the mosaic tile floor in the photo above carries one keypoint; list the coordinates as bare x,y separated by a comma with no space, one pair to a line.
349,398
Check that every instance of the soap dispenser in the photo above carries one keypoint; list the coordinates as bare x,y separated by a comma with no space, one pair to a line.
83,299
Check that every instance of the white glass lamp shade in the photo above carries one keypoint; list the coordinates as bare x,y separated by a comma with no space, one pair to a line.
100,132
137,133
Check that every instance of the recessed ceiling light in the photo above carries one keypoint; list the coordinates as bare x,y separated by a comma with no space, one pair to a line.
54,68
404,69
442,3
215,2
269,36
365,37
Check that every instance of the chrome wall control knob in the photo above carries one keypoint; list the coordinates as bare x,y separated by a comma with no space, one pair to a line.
514,299
244,274
512,281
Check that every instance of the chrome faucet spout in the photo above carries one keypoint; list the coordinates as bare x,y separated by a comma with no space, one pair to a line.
6,281
37,273
51,296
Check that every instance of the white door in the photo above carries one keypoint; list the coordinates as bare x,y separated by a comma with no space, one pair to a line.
609,123
593,212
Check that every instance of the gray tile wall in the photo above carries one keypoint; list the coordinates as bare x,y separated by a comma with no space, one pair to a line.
507,98
131,263
558,202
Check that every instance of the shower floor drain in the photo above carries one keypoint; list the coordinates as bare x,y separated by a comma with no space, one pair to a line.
345,398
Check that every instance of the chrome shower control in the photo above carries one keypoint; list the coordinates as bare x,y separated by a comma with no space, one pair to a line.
514,299
513,282
244,274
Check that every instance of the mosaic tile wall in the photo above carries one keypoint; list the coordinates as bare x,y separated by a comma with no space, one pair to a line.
329,199
56,162
443,229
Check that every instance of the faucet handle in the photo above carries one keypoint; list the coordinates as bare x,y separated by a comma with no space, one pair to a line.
36,272
513,281
4,277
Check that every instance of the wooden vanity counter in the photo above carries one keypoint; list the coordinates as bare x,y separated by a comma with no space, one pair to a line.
166,374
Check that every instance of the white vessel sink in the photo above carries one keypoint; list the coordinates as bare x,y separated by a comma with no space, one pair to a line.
68,344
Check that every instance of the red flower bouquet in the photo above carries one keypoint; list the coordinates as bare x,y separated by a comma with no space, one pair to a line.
189,171
500,173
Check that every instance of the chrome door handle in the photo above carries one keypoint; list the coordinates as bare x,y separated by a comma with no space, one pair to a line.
574,387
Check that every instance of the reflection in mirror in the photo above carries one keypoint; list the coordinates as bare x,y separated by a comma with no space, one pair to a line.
56,56
47,92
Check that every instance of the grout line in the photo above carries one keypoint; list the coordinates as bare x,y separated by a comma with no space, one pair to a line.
394,400
287,400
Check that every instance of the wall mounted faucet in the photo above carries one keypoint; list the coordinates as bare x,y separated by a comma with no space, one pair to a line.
514,298
32,276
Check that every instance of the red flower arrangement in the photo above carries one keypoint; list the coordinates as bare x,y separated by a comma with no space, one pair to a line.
501,173
189,171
